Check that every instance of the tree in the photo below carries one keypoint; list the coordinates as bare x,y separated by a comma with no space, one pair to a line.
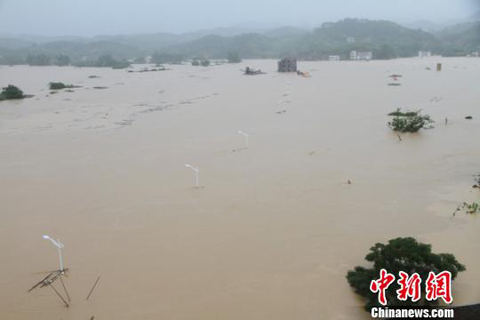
410,121
234,57
38,60
162,58
401,254
385,52
62,60
11,93
107,61
11,59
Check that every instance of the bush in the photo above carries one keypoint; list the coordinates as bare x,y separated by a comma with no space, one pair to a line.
11,93
401,254
205,63
411,121
195,63
59,86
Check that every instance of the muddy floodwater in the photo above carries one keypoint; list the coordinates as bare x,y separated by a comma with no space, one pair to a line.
273,229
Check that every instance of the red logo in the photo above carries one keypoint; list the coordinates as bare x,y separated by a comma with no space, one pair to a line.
409,287
437,286
381,286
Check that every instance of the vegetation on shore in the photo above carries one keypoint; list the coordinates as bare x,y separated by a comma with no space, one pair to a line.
401,254
198,62
410,121
234,57
167,58
11,92
104,61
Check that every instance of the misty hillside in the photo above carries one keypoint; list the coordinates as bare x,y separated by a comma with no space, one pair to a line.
384,38
462,39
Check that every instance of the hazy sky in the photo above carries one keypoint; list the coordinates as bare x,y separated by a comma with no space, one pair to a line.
89,17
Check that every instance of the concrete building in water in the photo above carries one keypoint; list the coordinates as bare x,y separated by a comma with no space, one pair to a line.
424,54
361,55
287,65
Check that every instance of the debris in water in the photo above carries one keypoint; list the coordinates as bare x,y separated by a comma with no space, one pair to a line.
93,288
252,72
48,282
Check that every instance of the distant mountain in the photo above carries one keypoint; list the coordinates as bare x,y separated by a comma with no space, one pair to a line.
461,39
424,25
252,45
285,32
14,44
385,39
224,32
476,16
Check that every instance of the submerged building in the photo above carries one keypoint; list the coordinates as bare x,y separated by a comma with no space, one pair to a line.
424,54
361,55
287,65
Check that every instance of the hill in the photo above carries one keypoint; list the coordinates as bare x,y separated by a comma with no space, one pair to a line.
385,39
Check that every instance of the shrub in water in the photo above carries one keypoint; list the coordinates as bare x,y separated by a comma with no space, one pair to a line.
11,93
411,121
59,86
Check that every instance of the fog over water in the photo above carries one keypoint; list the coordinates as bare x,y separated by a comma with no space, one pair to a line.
90,17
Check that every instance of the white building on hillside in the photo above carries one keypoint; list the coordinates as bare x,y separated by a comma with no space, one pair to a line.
424,54
361,55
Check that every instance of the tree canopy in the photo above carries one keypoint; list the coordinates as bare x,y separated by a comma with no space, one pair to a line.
11,92
401,254
410,121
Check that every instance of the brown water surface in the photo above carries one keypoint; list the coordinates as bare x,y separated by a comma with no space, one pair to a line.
273,230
